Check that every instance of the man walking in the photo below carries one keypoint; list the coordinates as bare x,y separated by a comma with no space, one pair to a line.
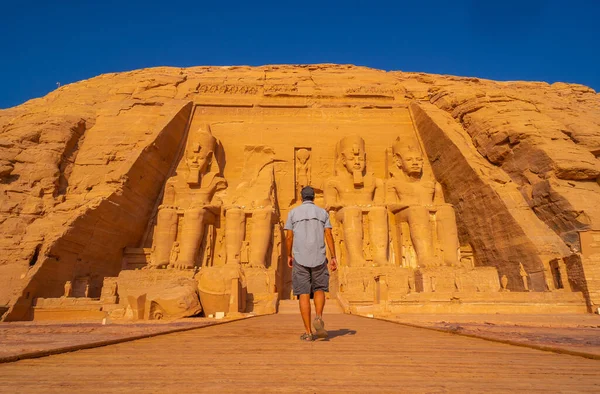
306,230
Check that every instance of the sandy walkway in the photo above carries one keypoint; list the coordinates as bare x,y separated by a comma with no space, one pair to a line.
264,355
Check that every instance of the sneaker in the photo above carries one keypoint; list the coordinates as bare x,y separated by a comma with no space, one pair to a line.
319,326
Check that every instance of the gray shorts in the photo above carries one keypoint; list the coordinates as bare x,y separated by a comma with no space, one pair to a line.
307,280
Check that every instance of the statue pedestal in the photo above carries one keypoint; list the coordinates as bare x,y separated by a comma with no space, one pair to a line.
392,290
374,285
154,295
233,288
262,291
222,289
457,279
67,308
135,258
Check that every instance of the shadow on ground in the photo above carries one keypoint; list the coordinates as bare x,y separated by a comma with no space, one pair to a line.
339,333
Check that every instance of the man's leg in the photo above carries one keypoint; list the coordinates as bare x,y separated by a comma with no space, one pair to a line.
319,298
305,311
320,285
302,288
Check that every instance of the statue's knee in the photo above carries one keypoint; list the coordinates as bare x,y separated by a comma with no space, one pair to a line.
378,212
195,213
167,213
351,214
234,213
445,216
417,213
262,214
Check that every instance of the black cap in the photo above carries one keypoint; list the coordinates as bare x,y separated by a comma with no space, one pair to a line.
307,193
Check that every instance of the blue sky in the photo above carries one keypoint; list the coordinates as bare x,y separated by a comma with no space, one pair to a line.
44,42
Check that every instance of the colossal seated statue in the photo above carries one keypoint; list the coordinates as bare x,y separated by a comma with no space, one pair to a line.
243,279
254,197
189,196
415,200
352,193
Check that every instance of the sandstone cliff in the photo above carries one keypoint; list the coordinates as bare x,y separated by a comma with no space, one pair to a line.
81,169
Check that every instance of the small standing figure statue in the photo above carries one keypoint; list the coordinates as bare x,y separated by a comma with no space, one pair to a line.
504,283
68,289
87,290
174,255
458,283
113,289
302,168
524,276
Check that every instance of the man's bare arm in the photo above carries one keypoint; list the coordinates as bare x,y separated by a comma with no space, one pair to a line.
331,246
289,242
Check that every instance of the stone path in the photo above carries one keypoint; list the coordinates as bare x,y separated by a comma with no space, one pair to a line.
21,340
576,334
264,355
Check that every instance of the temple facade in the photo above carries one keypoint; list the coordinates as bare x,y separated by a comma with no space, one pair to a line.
426,215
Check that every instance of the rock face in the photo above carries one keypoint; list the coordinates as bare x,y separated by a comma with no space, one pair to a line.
117,162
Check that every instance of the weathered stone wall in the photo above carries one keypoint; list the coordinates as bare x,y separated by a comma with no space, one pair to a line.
107,209
494,216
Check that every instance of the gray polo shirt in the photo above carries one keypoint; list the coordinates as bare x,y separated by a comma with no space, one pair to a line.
308,222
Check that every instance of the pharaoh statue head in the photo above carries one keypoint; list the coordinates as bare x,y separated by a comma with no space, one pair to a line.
408,157
199,154
352,155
